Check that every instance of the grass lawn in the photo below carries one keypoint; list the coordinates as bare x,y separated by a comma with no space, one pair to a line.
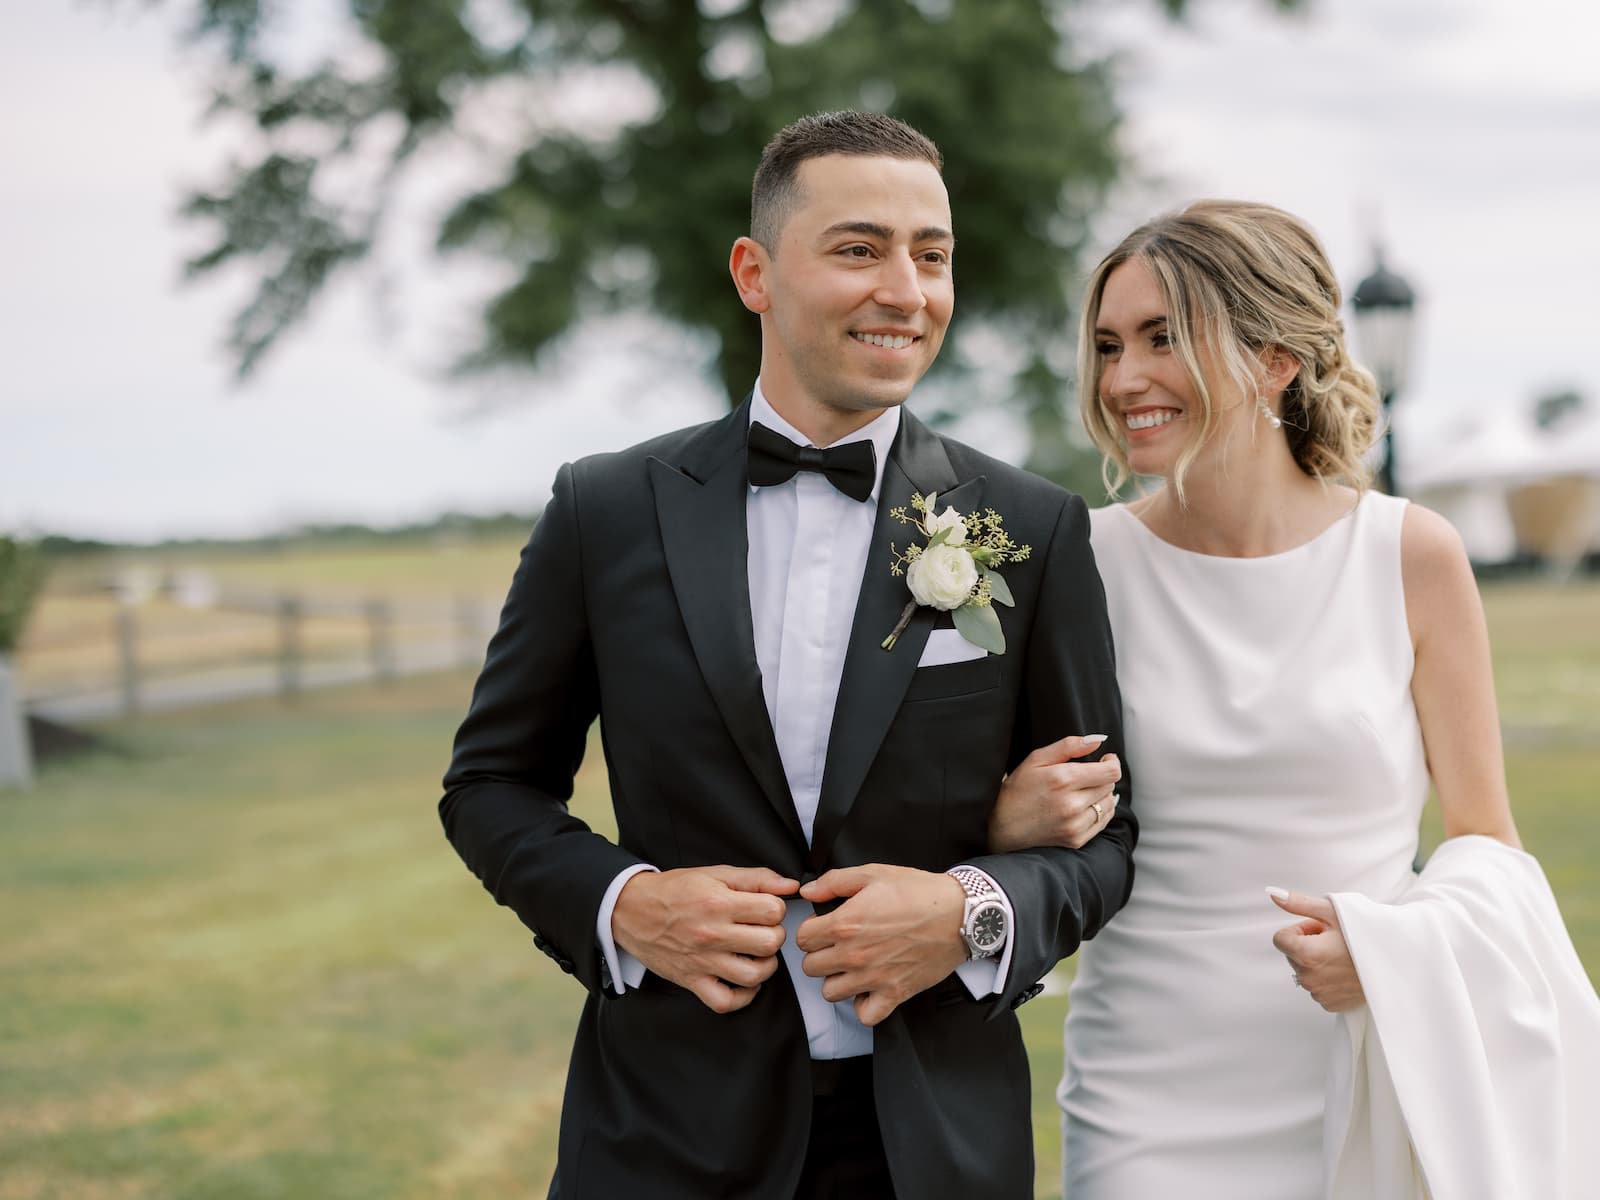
243,962
1547,654
239,959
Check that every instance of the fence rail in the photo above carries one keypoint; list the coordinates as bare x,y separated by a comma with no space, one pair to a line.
99,654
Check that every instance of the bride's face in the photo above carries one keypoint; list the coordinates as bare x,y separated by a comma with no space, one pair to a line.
1145,388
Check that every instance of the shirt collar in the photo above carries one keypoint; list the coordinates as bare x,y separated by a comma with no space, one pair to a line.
880,431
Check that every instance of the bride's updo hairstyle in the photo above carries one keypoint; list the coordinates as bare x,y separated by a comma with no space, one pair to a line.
1240,278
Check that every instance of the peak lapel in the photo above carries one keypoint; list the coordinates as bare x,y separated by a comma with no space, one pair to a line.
875,680
700,509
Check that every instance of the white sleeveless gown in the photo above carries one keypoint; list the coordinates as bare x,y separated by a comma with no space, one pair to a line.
1271,739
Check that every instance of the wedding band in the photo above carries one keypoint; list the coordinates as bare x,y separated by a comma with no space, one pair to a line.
1097,813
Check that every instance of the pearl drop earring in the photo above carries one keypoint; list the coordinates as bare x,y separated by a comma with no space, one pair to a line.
1272,418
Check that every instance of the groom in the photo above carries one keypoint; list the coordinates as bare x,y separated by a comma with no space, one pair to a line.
801,958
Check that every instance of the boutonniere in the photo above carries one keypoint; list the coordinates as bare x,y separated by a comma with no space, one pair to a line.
955,571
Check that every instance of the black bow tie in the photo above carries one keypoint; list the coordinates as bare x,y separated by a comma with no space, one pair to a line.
852,467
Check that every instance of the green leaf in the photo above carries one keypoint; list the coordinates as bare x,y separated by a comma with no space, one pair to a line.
939,538
999,588
980,625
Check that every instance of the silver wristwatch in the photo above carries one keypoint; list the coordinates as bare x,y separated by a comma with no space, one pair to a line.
983,923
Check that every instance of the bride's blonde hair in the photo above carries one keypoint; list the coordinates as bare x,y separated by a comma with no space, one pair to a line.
1239,279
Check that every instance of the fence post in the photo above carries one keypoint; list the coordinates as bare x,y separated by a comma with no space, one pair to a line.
290,610
380,639
16,750
128,658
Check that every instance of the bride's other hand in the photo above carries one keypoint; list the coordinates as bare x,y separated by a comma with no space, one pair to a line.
1051,800
1317,951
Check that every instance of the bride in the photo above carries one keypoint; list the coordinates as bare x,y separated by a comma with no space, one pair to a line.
1299,659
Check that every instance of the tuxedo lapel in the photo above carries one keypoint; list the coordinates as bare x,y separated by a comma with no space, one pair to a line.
875,680
700,508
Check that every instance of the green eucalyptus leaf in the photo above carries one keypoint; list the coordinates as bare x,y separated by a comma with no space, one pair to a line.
999,588
939,538
980,625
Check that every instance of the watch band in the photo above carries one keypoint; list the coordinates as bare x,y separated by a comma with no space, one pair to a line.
974,882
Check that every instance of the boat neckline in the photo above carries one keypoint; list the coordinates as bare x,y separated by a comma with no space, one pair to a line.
1244,558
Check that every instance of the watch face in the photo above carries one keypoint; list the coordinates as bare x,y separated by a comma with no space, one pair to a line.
988,927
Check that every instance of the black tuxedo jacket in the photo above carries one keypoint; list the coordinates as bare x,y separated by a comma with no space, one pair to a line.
632,603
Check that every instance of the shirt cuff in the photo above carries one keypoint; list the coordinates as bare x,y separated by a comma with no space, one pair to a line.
626,971
987,976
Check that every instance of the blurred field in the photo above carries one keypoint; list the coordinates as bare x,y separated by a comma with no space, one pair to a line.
240,960
1546,642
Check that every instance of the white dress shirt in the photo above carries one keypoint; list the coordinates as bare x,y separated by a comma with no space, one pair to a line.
808,549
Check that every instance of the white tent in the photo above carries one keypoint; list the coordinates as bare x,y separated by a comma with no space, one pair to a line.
1470,480
1509,450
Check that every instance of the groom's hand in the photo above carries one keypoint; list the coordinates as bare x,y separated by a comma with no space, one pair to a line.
898,933
713,930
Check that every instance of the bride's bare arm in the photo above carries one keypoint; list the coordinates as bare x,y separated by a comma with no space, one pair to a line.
1452,686
1053,800
1452,682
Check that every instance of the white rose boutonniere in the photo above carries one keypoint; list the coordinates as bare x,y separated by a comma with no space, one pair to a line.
955,572
942,577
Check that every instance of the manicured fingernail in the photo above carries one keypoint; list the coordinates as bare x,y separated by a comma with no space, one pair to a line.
1278,893
1094,739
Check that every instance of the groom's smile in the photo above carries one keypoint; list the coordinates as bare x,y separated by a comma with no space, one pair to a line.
857,293
889,341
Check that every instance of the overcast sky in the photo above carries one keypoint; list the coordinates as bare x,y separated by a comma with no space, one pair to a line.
1465,132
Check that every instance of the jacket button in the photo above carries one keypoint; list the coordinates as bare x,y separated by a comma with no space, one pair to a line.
1025,995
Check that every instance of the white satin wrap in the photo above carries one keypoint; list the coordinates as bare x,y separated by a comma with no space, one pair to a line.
1473,1071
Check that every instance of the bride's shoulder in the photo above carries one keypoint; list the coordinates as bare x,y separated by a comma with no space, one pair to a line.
1106,515
1430,547
1109,526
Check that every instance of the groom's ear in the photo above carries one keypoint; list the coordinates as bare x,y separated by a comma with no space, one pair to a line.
748,265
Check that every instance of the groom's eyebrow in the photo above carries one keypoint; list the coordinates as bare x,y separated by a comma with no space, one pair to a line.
928,233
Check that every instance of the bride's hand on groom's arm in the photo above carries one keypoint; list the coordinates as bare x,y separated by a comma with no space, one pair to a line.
1317,952
897,933
713,930
1052,800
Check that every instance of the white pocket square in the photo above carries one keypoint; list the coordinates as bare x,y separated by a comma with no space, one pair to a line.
946,646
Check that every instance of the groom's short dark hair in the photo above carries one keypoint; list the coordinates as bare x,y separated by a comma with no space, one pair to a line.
776,190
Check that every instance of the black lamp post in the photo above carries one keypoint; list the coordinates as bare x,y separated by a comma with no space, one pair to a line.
1384,307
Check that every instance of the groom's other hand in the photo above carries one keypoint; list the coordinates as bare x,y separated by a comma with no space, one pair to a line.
897,933
713,930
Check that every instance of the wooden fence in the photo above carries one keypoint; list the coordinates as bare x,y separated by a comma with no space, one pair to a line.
98,653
